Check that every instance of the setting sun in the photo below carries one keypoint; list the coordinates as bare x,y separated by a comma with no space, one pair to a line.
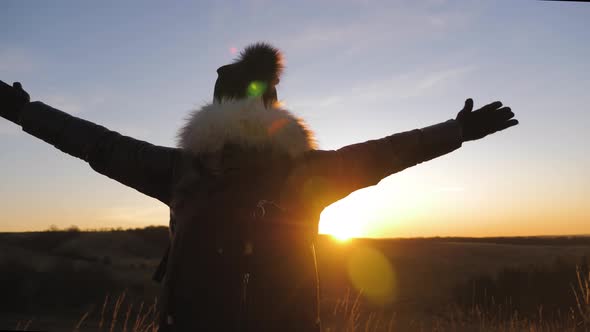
359,215
295,166
342,221
376,211
340,226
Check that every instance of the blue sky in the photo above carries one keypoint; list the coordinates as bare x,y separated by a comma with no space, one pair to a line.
356,70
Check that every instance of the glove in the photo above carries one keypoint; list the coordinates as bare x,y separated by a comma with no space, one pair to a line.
12,100
484,121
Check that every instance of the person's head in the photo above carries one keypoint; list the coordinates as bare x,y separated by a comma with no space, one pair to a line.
255,73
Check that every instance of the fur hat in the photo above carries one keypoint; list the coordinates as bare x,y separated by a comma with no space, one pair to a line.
260,65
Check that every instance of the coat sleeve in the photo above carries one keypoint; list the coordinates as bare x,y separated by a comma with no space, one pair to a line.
134,163
324,177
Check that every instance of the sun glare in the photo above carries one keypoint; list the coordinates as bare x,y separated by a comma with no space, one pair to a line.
341,221
373,212
343,234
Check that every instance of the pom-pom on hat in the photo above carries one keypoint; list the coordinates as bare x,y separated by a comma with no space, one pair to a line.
262,60
255,72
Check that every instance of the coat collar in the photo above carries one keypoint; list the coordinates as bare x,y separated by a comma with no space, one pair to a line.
246,123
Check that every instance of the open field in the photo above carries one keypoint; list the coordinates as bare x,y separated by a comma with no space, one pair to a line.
54,279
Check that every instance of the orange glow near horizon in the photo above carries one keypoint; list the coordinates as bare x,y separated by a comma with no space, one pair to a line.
407,207
340,223
402,206
374,212
354,217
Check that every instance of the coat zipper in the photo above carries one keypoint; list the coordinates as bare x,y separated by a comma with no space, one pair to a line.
243,302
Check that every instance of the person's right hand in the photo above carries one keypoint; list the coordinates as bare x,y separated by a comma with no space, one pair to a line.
12,100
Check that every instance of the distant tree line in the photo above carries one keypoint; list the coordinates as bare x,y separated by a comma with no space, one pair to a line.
524,240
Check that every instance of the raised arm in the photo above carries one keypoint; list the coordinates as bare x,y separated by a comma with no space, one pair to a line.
134,163
323,177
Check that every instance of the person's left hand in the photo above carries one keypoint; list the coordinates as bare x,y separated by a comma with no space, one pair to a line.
484,121
12,100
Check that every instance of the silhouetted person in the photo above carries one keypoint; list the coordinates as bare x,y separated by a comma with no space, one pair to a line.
245,188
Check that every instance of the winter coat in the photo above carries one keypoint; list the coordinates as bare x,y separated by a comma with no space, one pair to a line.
245,187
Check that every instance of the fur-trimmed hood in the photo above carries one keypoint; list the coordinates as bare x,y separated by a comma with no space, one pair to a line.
246,123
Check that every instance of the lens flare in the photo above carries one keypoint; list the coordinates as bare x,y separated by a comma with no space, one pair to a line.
256,89
371,273
233,50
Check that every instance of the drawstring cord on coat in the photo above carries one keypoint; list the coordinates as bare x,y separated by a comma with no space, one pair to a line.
244,299
260,211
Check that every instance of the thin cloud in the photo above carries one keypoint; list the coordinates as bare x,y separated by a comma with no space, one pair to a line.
73,104
15,61
415,84
8,128
378,28
69,104
397,87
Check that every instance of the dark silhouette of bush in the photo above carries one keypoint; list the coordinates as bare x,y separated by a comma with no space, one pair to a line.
156,235
49,240
62,287
522,240
526,289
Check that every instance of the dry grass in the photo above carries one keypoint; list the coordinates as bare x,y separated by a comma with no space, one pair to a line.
348,317
119,314
23,326
582,293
